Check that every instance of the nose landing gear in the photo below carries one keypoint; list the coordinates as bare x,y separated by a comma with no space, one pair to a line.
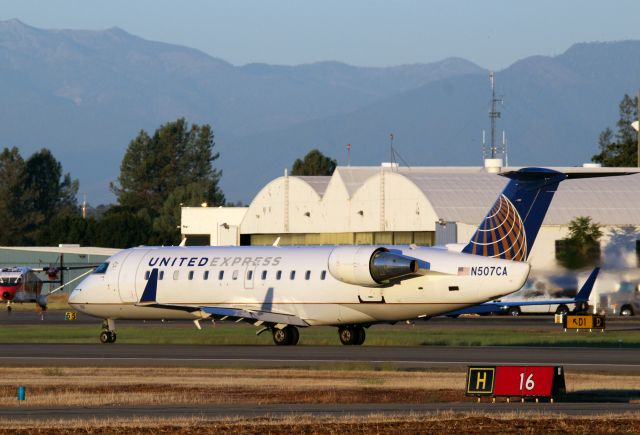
108,334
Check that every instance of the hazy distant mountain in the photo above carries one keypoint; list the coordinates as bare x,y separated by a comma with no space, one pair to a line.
86,94
554,109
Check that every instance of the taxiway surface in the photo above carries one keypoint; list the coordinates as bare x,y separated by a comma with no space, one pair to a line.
450,357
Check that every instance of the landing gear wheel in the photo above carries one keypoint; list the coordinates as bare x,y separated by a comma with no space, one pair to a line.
287,336
351,335
105,337
108,336
514,311
361,335
9,308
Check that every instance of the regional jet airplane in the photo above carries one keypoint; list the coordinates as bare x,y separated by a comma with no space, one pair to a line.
281,289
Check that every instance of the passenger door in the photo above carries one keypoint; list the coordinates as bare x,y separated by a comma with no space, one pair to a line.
128,276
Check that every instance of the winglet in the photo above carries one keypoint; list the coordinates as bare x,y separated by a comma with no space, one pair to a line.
585,292
149,293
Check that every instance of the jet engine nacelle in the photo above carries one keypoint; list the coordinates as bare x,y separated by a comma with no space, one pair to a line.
369,266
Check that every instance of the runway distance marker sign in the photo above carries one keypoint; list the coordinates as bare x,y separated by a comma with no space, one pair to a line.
516,381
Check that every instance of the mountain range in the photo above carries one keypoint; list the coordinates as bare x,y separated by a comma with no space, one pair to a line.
86,94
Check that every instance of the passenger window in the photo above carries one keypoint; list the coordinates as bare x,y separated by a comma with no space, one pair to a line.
307,275
146,275
190,275
235,275
206,275
323,275
176,274
250,274
221,274
292,275
161,274
264,275
279,274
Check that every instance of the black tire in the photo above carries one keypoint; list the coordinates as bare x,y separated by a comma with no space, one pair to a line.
9,308
105,337
361,335
287,336
295,335
514,311
562,309
112,337
626,311
348,335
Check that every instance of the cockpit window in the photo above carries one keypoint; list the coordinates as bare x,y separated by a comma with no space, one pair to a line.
9,281
102,268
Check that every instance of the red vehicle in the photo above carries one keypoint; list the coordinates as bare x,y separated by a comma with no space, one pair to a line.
20,285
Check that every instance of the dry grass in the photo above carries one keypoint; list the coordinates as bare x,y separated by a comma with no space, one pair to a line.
131,386
380,424
150,386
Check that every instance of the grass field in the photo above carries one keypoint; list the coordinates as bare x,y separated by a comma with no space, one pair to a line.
441,423
128,387
242,334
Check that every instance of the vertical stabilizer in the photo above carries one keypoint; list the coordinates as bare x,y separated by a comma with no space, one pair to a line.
512,224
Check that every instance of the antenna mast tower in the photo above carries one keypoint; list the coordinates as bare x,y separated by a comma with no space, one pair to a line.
494,151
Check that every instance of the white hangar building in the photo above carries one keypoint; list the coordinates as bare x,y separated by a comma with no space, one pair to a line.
421,205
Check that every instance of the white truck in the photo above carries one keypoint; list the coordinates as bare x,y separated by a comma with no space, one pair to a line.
616,292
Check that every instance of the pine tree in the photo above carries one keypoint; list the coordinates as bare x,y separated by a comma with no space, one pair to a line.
314,163
156,168
623,151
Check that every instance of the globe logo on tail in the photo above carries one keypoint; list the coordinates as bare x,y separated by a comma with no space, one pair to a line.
501,234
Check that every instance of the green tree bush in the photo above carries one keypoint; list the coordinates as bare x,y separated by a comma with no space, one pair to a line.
582,247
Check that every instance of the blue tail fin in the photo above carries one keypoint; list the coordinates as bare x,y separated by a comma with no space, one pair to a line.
585,292
511,226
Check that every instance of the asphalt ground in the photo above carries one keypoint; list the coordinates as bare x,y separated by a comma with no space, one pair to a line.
319,410
605,360
620,360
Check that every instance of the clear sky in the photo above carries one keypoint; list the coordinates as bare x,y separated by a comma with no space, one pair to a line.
491,33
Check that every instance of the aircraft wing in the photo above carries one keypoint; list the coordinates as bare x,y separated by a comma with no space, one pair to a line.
256,317
66,249
497,306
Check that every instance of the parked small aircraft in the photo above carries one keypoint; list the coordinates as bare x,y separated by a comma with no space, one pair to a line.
21,284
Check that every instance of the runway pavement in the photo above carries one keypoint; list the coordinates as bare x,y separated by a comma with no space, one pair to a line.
319,410
447,357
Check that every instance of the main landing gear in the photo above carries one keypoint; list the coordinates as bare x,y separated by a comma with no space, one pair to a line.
108,334
352,335
287,336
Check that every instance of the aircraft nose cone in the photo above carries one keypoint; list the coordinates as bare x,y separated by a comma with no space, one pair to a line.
73,297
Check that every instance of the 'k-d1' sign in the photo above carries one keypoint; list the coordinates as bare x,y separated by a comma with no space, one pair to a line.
516,381
587,321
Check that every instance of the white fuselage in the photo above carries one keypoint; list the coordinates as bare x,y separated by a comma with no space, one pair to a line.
289,280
